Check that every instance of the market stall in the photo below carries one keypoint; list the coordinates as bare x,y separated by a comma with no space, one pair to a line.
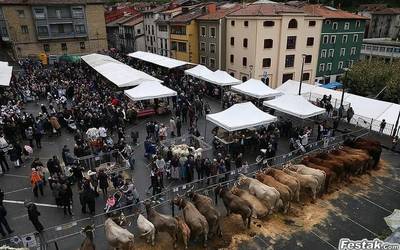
5,74
150,90
256,89
198,71
294,105
238,122
116,72
162,61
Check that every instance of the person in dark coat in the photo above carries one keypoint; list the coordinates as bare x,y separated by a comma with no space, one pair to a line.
103,182
178,126
33,215
66,198
3,221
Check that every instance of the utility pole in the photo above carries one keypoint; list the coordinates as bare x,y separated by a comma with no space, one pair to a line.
301,74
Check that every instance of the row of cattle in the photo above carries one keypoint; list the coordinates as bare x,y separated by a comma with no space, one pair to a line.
272,190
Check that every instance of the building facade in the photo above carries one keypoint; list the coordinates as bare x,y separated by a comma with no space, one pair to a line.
54,28
380,48
163,31
341,39
150,28
184,34
269,41
212,35
133,34
385,23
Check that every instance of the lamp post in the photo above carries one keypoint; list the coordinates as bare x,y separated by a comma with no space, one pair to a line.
251,69
302,69
344,86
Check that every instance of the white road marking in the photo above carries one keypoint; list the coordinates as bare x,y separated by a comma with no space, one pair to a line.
327,242
18,190
16,175
37,204
380,184
19,217
377,205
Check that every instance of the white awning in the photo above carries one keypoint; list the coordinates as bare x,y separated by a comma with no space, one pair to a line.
367,107
5,74
118,73
149,90
241,116
256,88
292,87
294,105
221,78
199,71
163,61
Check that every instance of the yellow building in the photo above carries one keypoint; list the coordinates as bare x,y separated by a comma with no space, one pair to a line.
184,35
53,27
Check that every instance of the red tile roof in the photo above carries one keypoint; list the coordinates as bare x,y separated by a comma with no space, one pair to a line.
44,2
188,16
135,20
387,11
327,12
265,9
220,13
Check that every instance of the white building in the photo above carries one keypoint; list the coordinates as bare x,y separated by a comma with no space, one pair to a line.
380,48
163,30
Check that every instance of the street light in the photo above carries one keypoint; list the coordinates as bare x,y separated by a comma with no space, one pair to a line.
251,69
302,69
344,86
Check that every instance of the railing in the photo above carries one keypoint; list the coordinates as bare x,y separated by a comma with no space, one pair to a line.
114,157
313,97
373,124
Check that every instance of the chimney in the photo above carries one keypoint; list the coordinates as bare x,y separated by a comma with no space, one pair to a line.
211,8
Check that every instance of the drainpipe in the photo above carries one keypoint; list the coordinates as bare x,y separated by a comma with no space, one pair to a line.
220,44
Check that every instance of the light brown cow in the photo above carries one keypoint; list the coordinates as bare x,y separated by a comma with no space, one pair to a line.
306,181
286,179
259,209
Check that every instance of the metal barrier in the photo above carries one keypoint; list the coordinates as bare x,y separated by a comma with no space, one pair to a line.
53,235
373,124
115,158
190,140
313,97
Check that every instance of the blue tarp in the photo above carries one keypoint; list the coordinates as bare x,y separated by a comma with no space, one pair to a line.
332,85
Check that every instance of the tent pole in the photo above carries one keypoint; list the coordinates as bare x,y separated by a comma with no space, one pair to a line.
205,128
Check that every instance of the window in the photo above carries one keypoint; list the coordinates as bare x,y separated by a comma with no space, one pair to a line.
310,41
244,78
202,31
82,45
333,39
292,24
329,66
331,52
245,42
77,12
182,47
346,25
232,58
152,29
162,28
322,67
174,45
138,31
353,51
291,42
24,29
328,22
46,47
212,48
212,63
306,76
266,62
351,63
80,29
178,30
323,53
268,23
232,23
344,39
325,40
355,38
311,23
64,46
212,32
358,24
43,30
244,61
246,23
334,25
232,74
21,13
342,51
289,61
340,65
39,13
203,46
268,43
308,59
203,60
286,77
232,41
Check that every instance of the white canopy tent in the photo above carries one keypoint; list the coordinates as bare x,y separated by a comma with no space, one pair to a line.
149,90
294,105
256,88
241,116
292,87
5,74
118,73
199,71
367,107
163,61
220,78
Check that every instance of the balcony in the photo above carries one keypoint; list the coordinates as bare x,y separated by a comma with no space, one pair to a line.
65,35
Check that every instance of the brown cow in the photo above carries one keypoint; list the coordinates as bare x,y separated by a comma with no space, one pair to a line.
285,179
336,167
330,175
306,181
259,209
284,191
